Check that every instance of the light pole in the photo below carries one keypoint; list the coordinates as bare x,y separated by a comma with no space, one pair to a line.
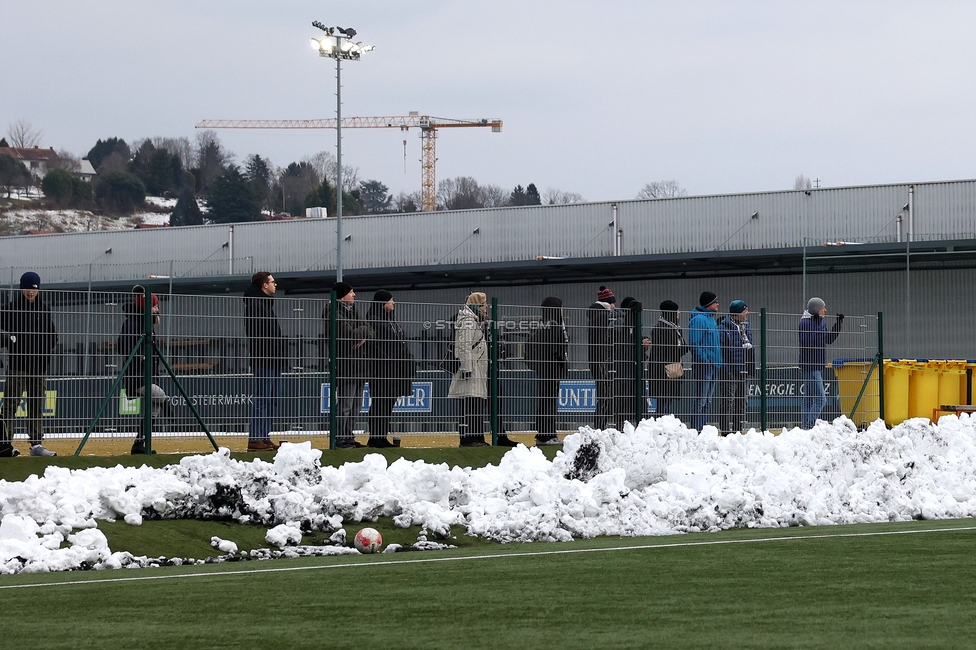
337,44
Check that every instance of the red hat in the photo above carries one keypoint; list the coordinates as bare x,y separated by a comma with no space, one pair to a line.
605,295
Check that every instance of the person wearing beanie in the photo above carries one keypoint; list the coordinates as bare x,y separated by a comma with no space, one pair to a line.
353,348
391,367
814,337
547,355
601,319
30,339
268,358
738,363
134,378
703,336
664,370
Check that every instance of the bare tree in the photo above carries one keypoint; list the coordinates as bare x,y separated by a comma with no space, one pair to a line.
23,135
404,202
553,196
211,157
461,193
662,190
802,183
181,147
493,196
325,166
66,161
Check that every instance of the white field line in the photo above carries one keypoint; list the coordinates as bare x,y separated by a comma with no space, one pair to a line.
219,574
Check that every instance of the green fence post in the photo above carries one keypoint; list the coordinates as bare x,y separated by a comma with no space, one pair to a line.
881,391
493,391
763,419
333,368
147,367
638,368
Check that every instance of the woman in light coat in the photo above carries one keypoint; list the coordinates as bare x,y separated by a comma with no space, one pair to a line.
470,382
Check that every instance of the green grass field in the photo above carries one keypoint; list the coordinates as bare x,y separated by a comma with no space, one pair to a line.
845,586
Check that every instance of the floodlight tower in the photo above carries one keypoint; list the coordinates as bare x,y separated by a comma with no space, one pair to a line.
338,46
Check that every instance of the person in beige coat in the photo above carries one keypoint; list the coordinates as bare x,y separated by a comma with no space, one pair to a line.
470,382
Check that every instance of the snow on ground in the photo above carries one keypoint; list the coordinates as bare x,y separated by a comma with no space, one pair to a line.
661,478
16,220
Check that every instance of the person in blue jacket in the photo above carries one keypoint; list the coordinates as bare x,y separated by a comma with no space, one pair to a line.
738,362
814,338
706,353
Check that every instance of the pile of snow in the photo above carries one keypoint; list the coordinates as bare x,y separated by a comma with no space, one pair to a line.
661,478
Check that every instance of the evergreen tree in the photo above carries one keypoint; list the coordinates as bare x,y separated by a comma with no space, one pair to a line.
374,197
57,186
518,196
119,192
12,173
231,199
3,142
532,195
186,212
258,174
158,169
105,148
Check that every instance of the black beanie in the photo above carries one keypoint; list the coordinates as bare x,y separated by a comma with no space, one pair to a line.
382,296
625,303
552,302
342,288
669,305
707,298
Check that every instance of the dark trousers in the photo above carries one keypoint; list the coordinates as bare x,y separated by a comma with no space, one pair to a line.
604,414
732,401
546,406
380,415
471,425
667,406
18,383
267,383
350,393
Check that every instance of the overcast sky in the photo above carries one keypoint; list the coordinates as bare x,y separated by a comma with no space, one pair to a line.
597,97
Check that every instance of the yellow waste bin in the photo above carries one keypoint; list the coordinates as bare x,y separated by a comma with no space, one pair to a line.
897,374
851,374
923,389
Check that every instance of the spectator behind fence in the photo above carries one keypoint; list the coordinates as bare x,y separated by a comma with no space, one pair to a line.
30,339
600,318
627,355
706,354
134,379
813,338
738,362
547,355
392,367
269,353
352,334
665,371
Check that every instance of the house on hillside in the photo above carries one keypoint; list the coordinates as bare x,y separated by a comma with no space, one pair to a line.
37,161
86,171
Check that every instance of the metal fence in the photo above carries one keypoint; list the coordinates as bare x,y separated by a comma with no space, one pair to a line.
528,372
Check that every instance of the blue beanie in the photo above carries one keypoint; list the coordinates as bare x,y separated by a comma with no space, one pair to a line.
737,307
30,280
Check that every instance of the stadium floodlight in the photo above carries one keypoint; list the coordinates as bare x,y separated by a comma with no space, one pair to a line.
339,46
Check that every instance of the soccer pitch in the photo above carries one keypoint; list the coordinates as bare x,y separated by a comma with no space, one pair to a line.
894,585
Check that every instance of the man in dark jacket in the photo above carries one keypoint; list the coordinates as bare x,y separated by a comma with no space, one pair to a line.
547,355
31,338
599,349
813,339
351,336
738,362
268,354
134,379
667,347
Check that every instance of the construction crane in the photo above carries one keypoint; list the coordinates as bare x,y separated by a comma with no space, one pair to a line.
429,126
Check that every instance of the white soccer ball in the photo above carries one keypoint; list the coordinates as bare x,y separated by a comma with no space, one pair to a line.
368,540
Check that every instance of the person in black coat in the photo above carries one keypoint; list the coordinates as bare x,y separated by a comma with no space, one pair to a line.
269,354
667,348
134,379
601,318
626,357
547,355
391,367
31,338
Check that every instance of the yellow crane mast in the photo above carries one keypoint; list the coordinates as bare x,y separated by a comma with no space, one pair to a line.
428,134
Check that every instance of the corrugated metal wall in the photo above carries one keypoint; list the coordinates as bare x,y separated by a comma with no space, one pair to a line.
691,224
